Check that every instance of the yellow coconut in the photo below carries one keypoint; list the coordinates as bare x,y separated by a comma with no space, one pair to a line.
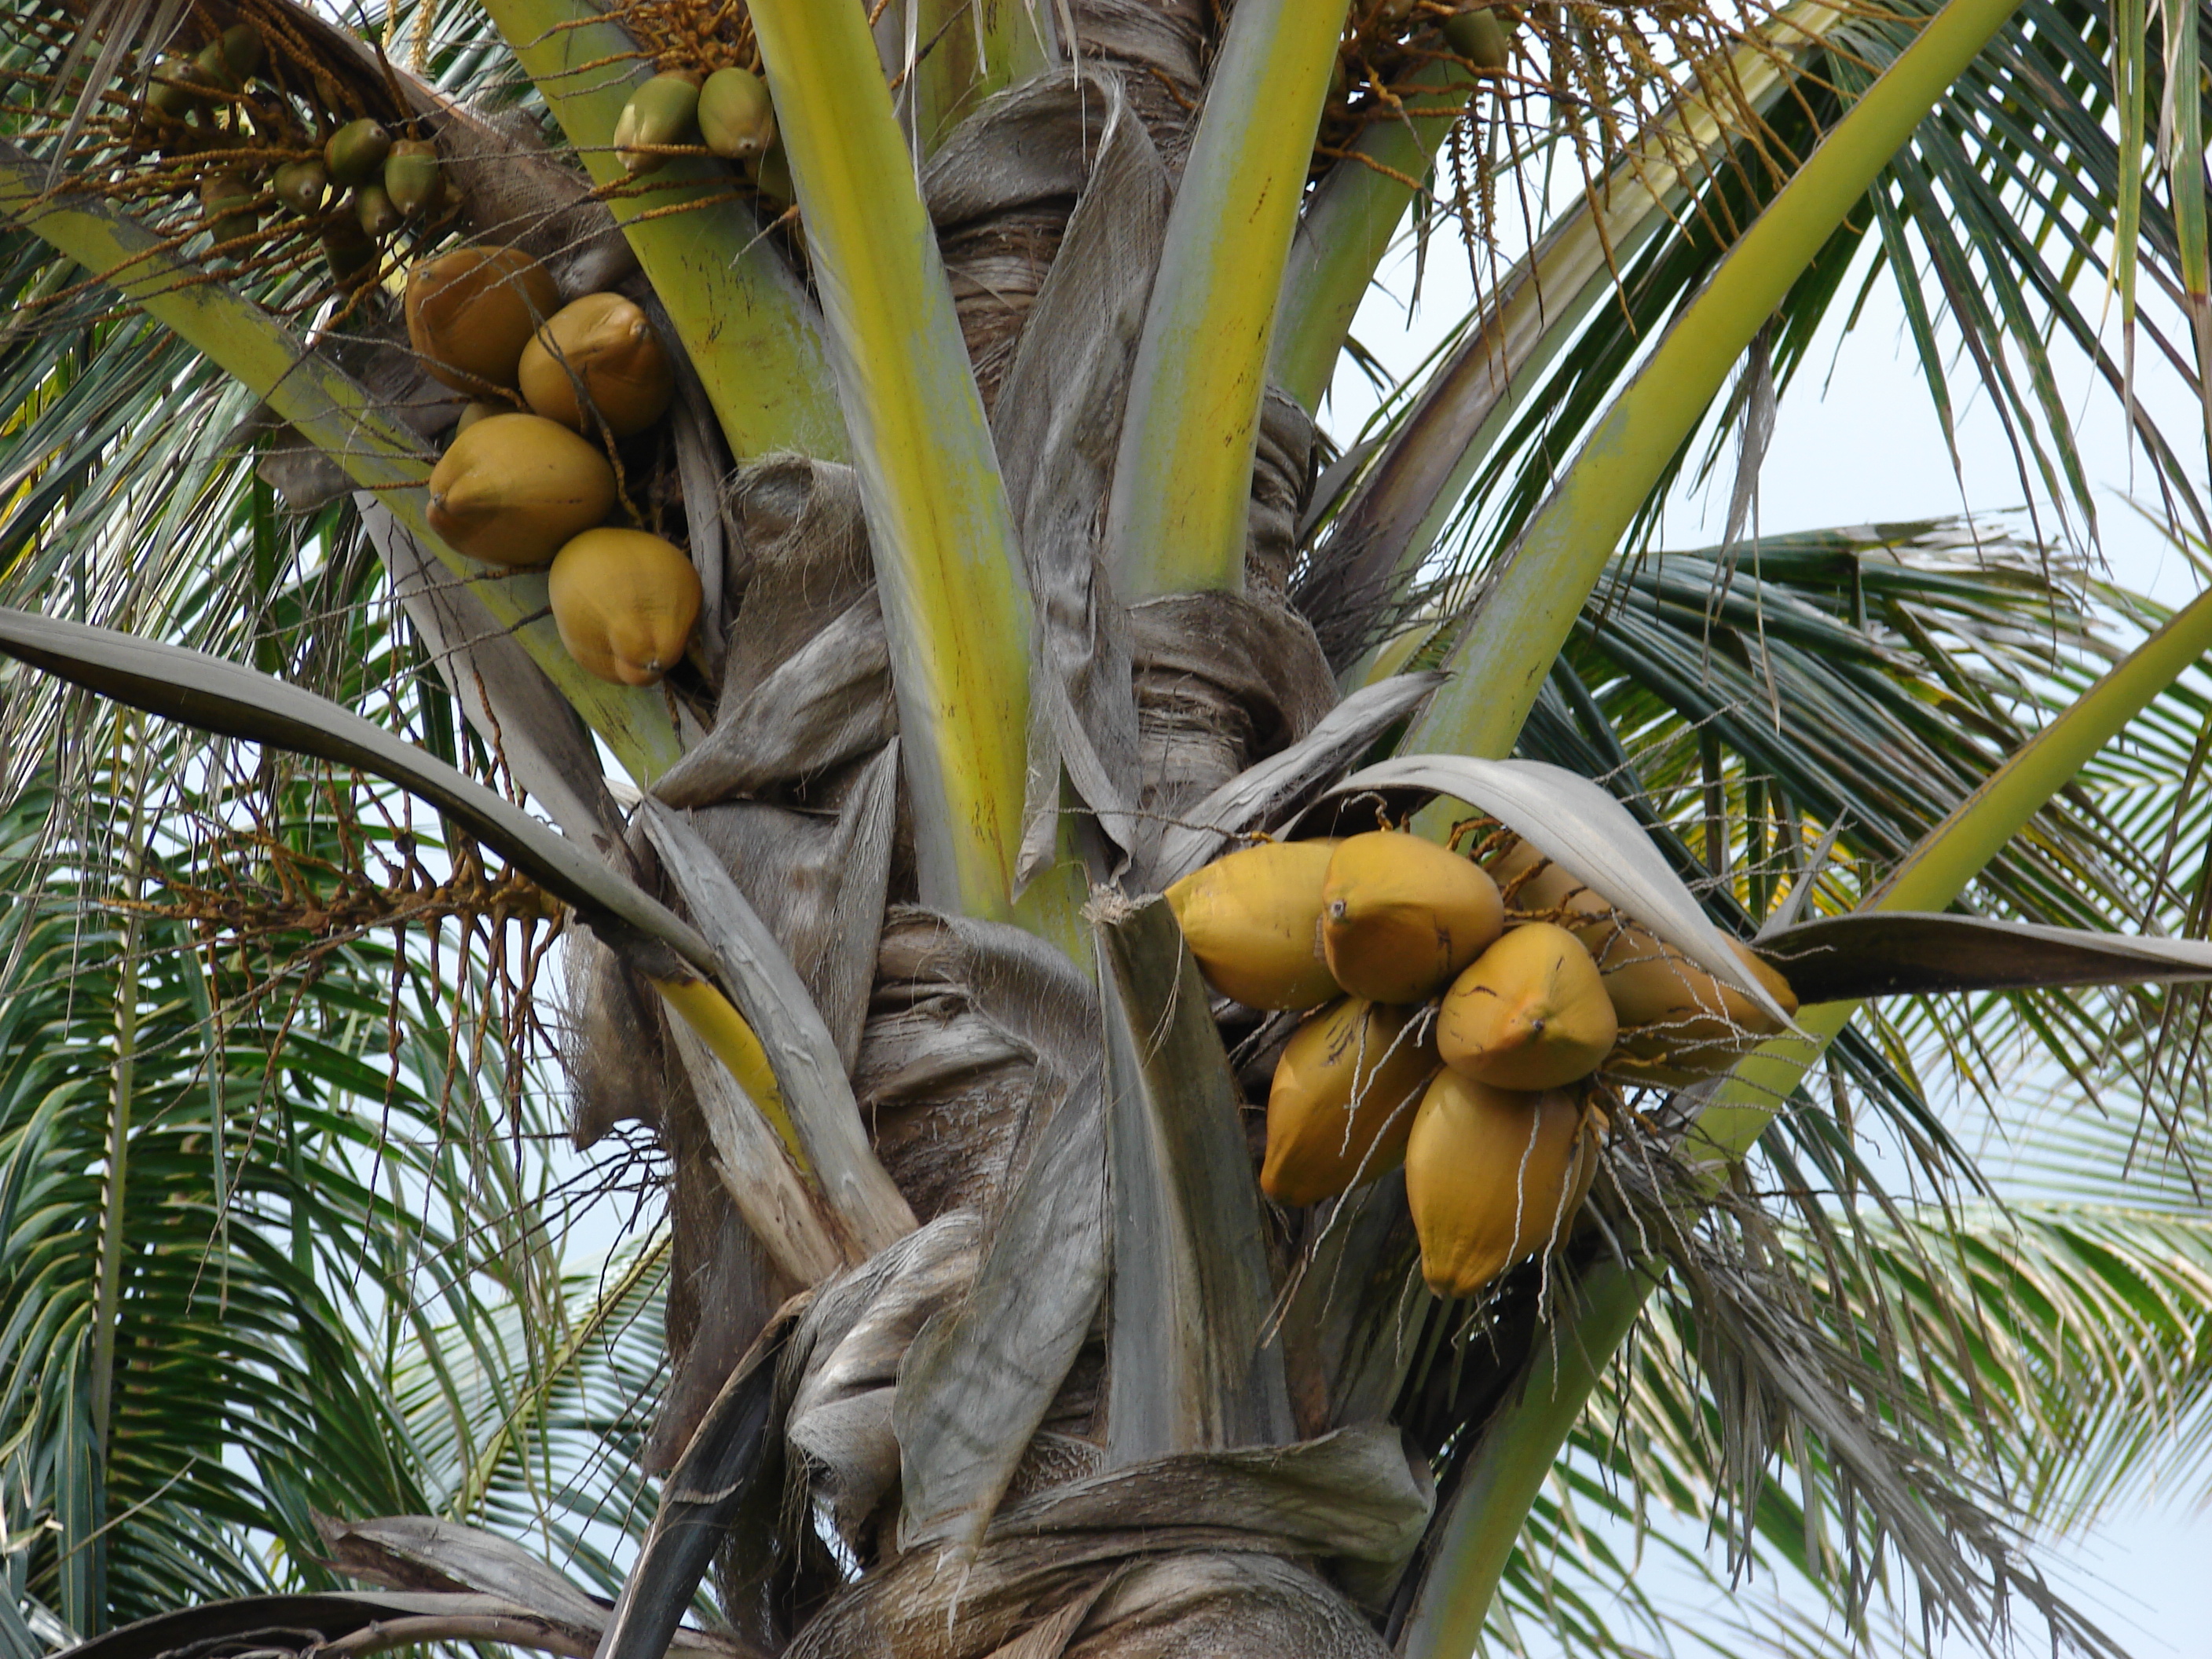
1689,1024
603,347
512,488
1253,920
1529,1012
1342,1101
1678,1023
625,602
470,314
1400,916
1493,1176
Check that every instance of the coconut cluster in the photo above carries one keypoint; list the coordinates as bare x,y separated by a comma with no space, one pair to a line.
1458,1017
527,480
727,113
350,180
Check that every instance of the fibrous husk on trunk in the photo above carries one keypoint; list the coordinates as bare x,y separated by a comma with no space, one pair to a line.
1198,1553
1222,680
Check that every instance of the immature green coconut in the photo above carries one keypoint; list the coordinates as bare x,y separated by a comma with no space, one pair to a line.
373,207
736,117
301,185
1477,35
227,200
661,113
411,176
243,51
355,154
177,87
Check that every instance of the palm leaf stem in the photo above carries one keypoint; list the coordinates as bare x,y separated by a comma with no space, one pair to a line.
1530,606
1183,482
607,1305
954,54
948,563
1349,225
1394,519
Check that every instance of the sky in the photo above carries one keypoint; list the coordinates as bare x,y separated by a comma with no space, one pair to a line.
1857,440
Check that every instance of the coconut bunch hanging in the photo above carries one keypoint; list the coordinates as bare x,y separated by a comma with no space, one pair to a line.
1456,1026
706,97
529,477
255,146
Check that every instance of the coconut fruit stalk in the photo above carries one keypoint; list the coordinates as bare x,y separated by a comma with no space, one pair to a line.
661,114
1253,921
513,489
598,357
351,254
1493,1176
1343,1098
471,313
736,117
625,603
1529,1012
1401,916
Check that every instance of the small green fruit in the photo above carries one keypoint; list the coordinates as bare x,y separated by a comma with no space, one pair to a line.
1478,37
411,177
352,256
177,88
242,50
226,199
214,65
355,153
372,206
736,117
664,112
301,185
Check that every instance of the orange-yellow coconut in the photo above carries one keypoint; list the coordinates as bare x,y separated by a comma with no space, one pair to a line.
1343,1099
470,314
625,603
1400,916
513,488
1253,921
1493,1176
599,356
1529,1013
1687,1024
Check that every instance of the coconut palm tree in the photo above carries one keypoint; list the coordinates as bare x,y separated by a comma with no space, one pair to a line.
1018,580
